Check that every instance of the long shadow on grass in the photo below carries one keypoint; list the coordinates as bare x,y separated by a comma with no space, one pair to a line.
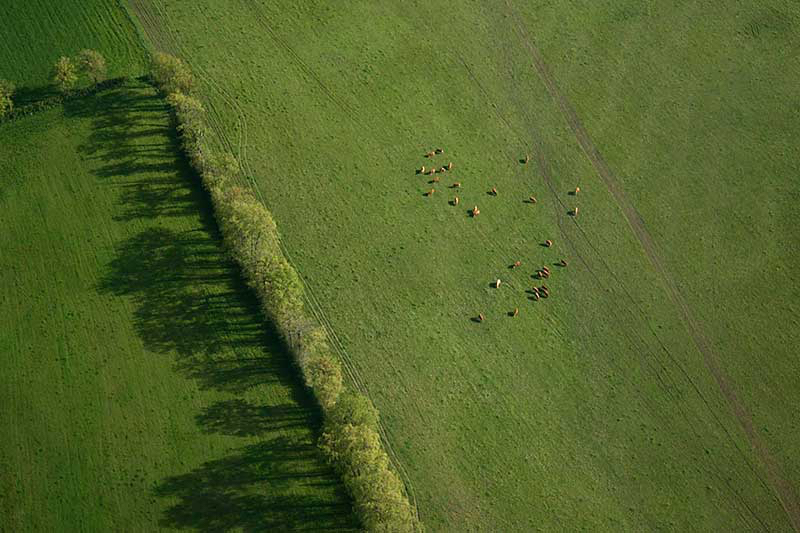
190,304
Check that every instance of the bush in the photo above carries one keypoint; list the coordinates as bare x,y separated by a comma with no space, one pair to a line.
64,74
171,74
6,97
93,64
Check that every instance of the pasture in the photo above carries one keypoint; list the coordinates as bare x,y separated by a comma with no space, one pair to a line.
654,388
140,390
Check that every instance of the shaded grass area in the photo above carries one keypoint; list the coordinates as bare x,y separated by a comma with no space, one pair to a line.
593,409
141,390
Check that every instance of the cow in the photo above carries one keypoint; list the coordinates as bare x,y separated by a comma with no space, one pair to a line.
494,191
575,212
435,179
455,185
456,201
532,199
527,159
563,262
497,283
476,211
548,243
429,154
430,192
422,170
481,318
450,165
516,311
516,264
577,190
536,296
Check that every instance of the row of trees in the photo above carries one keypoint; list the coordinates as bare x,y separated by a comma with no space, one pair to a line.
66,74
67,71
350,437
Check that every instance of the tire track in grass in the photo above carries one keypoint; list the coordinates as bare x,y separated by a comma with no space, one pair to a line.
639,343
780,486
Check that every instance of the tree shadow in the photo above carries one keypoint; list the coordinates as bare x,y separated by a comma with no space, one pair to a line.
246,491
190,303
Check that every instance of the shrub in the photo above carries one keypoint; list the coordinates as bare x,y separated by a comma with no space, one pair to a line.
64,74
6,97
171,74
93,64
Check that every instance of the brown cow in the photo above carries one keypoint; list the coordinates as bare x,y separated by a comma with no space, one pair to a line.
516,311
429,154
439,150
516,264
481,318
476,211
435,179
430,192
577,190
494,191
443,169
455,185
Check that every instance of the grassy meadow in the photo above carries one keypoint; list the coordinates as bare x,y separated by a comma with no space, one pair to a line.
140,389
653,389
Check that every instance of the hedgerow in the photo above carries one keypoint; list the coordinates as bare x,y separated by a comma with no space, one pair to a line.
350,438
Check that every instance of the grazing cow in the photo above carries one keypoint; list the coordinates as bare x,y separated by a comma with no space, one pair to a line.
456,200
455,185
545,274
429,154
532,199
516,264
476,211
443,169
535,289
439,150
536,296
494,191
527,159
430,192
481,318
435,179
497,283
450,165
545,269
516,311
575,212
422,170
431,171
563,262
548,243
577,190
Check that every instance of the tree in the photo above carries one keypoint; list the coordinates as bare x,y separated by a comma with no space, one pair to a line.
93,64
171,74
64,74
6,93
354,408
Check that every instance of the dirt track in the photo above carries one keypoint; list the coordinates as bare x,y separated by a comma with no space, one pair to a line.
782,488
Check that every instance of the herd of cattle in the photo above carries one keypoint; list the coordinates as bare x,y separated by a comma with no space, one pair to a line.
543,273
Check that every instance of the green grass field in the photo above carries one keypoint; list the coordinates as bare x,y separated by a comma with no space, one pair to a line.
654,389
140,389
